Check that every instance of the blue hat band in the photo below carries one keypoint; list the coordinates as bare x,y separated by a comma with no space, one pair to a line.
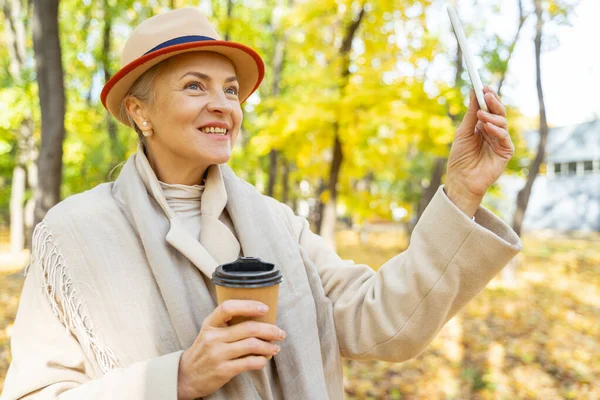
179,40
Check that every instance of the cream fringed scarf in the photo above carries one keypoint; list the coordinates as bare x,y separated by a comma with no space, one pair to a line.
153,244
57,279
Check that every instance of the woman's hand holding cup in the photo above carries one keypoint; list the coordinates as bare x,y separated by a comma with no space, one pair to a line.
221,352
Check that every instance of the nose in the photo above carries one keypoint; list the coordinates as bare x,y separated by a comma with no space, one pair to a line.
220,104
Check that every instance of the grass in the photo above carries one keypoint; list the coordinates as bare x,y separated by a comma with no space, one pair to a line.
536,339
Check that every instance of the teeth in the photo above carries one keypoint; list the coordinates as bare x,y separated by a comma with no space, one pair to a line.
214,130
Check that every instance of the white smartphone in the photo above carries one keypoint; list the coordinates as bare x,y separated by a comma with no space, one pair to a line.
464,46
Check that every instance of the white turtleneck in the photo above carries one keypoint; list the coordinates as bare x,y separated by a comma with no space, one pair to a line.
184,200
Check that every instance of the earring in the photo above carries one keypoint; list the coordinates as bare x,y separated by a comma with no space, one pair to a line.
148,132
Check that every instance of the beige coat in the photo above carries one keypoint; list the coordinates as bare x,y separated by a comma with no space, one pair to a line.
117,289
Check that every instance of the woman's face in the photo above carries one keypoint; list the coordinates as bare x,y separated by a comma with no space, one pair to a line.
196,114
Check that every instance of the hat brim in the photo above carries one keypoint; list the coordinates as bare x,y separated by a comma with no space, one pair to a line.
248,65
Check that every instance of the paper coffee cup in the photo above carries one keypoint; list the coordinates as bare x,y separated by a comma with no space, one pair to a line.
249,278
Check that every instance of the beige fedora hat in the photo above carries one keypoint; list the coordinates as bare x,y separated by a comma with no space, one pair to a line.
175,32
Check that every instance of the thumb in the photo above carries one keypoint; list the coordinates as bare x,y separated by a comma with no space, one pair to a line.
470,120
471,115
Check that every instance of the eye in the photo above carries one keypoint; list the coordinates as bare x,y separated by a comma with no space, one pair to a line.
233,90
193,85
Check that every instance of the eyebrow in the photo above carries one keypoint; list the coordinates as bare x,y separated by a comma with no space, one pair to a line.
206,77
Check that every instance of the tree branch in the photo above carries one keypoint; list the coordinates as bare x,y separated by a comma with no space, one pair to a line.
522,18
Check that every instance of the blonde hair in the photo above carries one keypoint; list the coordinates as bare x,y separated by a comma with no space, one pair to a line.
143,90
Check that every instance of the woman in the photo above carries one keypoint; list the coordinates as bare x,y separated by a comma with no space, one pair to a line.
118,301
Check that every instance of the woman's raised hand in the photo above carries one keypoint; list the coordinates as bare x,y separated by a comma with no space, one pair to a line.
220,351
481,149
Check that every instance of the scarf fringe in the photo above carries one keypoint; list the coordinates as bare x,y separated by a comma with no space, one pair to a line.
61,294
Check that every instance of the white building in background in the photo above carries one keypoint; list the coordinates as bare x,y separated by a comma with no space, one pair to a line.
566,195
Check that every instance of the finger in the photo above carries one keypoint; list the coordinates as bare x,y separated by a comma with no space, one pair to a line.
497,120
249,329
480,127
501,134
236,367
250,346
479,130
487,89
494,104
470,118
482,131
473,104
235,308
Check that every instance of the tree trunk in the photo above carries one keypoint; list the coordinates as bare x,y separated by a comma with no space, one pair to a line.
17,201
115,147
525,193
320,207
49,70
32,179
295,198
328,220
509,273
327,227
285,184
15,28
24,176
272,172
434,184
278,62
228,23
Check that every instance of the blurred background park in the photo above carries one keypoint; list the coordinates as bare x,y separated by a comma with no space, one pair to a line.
352,128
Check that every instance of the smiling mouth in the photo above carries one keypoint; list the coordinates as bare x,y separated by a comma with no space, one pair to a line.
211,130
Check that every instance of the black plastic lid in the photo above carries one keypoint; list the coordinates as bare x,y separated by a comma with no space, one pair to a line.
247,272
